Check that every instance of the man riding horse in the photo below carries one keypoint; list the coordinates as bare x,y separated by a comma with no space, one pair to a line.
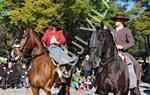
124,40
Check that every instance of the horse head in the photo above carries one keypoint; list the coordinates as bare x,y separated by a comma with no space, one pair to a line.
26,43
96,49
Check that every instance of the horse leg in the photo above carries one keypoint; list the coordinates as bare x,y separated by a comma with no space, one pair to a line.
126,93
35,91
67,90
105,93
101,90
135,91
47,91
62,90
119,93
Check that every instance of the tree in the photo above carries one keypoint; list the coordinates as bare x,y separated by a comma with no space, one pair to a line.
5,39
141,27
37,13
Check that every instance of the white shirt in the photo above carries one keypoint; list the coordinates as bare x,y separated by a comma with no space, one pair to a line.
118,28
53,39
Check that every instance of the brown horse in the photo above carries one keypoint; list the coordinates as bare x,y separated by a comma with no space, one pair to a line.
43,73
112,73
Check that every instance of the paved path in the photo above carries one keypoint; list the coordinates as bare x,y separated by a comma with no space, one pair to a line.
144,88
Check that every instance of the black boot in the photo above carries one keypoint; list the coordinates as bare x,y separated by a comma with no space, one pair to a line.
135,91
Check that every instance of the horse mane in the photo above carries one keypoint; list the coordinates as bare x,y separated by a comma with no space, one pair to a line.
39,49
109,38
108,45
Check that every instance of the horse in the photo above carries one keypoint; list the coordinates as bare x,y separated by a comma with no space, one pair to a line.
112,73
43,73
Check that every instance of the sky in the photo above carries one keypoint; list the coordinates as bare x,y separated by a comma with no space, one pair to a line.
129,4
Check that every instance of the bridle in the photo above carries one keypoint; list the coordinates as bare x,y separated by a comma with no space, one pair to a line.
26,39
99,63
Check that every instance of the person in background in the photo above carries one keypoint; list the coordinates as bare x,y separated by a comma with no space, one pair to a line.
3,76
87,68
77,80
87,84
13,75
24,75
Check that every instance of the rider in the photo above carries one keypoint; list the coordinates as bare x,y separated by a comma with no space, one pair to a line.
124,40
53,39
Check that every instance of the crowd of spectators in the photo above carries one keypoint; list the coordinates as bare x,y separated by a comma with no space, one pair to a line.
13,75
84,78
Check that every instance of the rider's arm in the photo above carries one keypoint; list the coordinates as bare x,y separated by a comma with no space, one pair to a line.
62,38
130,40
44,38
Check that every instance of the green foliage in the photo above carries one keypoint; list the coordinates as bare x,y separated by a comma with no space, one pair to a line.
142,24
140,27
37,13
5,37
141,12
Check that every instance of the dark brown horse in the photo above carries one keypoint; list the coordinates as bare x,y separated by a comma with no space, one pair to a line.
43,71
112,73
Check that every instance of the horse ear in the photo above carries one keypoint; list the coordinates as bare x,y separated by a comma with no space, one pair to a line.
100,26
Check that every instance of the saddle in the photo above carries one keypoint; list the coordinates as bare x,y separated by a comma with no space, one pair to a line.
132,75
125,58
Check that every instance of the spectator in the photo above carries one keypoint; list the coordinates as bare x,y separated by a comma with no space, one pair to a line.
87,83
24,76
77,80
4,76
87,68
13,75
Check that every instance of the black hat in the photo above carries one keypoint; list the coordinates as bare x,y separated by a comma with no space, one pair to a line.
55,22
120,16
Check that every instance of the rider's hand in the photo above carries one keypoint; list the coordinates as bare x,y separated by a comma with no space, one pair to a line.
119,46
44,45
